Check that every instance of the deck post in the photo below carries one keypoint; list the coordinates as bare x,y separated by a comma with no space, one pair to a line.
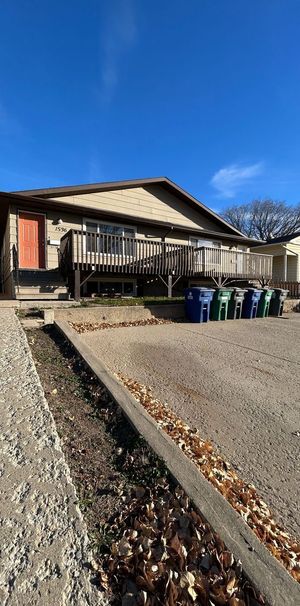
285,267
170,286
77,284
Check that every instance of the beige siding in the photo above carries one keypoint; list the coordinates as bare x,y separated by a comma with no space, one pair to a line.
292,250
295,242
278,267
268,250
6,261
72,220
151,202
292,268
54,232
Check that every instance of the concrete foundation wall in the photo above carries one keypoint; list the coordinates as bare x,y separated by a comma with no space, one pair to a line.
120,314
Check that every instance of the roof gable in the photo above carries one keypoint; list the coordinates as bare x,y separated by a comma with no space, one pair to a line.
164,182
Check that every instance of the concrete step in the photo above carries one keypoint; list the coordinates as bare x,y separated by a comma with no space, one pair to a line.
9,303
27,289
41,284
43,297
40,277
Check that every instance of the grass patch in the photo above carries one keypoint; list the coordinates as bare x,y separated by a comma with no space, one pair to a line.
132,301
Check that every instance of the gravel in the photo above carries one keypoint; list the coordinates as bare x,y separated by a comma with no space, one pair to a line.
43,539
237,382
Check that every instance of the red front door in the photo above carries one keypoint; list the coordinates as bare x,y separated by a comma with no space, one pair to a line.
31,241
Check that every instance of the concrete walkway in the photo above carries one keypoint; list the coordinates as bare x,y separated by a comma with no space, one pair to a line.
43,539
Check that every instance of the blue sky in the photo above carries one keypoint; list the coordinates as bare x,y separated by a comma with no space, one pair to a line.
206,92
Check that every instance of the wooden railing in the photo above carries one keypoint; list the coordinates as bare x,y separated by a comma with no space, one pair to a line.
15,264
232,263
292,287
110,253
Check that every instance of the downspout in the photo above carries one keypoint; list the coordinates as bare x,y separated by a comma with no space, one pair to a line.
167,233
169,284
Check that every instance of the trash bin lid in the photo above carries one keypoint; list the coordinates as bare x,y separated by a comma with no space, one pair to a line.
280,290
254,290
200,288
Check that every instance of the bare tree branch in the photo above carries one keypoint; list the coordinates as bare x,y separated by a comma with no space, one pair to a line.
264,219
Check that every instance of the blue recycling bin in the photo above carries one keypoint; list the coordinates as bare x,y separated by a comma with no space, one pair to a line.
250,305
197,303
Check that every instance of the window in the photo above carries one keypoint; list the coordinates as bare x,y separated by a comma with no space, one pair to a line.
109,245
91,228
198,242
110,288
207,259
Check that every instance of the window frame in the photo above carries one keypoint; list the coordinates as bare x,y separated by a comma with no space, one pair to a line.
122,282
111,224
215,243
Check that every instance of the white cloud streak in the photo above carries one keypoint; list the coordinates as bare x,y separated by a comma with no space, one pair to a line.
230,179
118,36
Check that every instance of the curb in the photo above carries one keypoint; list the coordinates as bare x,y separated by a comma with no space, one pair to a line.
265,573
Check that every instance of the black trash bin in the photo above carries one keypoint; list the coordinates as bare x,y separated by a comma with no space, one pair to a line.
276,304
236,304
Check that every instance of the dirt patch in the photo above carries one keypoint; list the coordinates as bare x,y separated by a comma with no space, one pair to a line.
151,546
95,437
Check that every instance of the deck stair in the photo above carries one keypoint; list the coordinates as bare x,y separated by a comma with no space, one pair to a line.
41,285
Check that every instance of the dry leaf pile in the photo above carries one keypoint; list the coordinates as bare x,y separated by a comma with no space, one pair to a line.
243,497
167,555
81,327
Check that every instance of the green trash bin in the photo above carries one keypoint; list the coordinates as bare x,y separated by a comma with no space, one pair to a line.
264,303
219,305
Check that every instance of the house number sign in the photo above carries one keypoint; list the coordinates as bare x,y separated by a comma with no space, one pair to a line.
61,229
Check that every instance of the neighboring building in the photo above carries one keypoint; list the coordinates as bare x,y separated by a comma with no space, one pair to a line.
146,236
286,256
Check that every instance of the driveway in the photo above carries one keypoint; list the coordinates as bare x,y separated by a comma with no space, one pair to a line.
238,382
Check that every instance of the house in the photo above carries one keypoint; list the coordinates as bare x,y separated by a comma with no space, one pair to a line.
286,256
146,236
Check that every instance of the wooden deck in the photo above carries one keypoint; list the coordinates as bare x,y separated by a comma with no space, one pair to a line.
215,262
103,253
